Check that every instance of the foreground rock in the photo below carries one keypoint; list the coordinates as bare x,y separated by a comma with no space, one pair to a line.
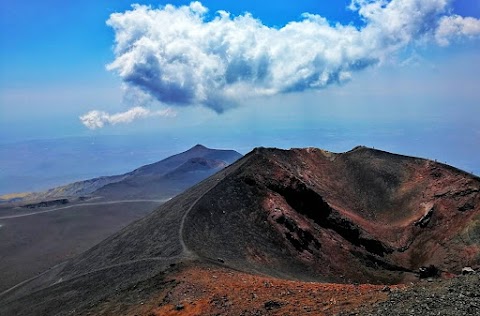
456,297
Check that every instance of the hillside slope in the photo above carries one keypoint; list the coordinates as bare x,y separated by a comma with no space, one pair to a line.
50,227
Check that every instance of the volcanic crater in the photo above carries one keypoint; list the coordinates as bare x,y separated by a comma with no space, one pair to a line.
361,216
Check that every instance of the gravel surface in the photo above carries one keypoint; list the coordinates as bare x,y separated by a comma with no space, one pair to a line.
457,297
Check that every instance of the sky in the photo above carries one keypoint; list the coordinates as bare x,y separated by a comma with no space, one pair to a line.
396,75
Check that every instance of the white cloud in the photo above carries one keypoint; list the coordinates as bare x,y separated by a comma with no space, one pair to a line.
181,56
454,26
98,119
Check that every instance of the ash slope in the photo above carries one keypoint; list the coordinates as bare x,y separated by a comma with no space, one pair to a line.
51,227
361,216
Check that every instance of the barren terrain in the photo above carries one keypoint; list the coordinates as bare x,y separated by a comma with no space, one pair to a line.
283,233
40,230
33,243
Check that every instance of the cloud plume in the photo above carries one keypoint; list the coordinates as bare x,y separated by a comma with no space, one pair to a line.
98,119
183,56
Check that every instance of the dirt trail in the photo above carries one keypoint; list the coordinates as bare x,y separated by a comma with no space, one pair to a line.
79,205
218,177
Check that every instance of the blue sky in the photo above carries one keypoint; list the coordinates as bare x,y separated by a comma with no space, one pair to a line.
55,42
419,96
58,42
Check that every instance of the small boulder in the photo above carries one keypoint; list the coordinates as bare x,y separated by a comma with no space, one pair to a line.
269,305
179,307
467,270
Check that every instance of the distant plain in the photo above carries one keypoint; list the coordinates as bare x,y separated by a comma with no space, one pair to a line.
53,237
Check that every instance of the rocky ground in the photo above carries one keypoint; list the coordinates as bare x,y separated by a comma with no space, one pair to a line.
213,290
459,296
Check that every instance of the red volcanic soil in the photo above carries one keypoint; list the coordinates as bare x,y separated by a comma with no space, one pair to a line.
210,290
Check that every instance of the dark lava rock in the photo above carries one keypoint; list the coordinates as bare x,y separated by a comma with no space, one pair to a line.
269,305
428,272
179,307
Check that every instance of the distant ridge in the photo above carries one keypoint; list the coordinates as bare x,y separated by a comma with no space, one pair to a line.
144,182
170,176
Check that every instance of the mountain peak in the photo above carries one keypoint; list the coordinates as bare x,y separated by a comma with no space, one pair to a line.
198,146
